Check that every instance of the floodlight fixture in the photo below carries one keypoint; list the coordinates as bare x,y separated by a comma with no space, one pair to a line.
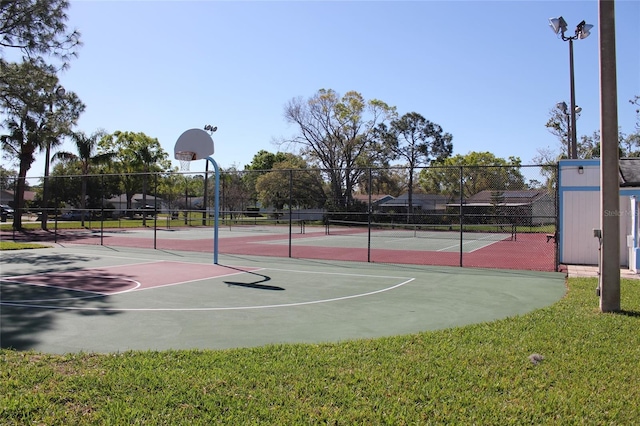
558,24
582,30
562,106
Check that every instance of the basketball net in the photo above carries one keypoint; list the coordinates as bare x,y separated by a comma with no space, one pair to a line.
185,158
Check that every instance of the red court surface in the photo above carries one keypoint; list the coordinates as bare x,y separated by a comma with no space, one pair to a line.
528,251
117,279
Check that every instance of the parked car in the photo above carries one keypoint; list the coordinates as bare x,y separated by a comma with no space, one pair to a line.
6,210
75,215
147,209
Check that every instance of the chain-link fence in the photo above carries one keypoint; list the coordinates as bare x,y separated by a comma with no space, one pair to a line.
480,216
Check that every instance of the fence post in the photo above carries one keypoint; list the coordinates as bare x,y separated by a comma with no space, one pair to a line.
370,211
461,213
55,213
102,208
290,202
205,215
557,213
155,209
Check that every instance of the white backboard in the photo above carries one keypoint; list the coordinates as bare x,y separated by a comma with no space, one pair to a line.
194,140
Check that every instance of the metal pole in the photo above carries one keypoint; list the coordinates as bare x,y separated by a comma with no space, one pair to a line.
290,203
569,150
55,224
461,218
216,208
101,209
370,211
155,210
574,142
45,186
609,284
558,232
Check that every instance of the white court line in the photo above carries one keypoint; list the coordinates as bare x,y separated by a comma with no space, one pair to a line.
237,308
471,242
407,280
96,294
337,273
486,245
200,279
257,269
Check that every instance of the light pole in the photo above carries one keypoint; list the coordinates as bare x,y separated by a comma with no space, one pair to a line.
211,129
562,106
559,26
59,93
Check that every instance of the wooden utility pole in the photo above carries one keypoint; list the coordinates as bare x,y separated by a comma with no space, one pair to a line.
609,284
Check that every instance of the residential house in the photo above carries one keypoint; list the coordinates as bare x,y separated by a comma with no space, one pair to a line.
119,203
376,200
524,207
8,197
421,203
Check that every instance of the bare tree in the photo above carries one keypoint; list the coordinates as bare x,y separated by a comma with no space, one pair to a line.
336,134
559,126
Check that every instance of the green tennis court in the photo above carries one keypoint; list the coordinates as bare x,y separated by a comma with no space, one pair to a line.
105,299
343,234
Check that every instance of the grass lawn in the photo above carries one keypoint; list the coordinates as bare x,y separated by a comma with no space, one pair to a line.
108,223
479,374
11,245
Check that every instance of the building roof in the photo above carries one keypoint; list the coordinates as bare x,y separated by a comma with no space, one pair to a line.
416,199
519,197
7,194
629,171
375,198
507,198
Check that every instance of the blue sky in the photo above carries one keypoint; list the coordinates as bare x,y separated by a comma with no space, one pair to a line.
488,72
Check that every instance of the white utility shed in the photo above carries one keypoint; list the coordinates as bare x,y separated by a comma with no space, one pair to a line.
580,211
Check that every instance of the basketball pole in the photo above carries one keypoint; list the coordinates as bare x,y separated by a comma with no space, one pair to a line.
216,208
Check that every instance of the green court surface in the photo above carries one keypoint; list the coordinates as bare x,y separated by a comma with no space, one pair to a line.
106,299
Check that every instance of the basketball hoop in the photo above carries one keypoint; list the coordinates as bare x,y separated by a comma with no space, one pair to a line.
185,157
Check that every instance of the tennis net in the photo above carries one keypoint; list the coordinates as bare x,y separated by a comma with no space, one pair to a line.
264,225
491,232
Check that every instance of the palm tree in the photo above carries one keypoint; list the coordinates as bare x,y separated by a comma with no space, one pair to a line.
34,117
146,157
86,147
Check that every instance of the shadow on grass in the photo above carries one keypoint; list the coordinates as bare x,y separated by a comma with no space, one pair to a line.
633,314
